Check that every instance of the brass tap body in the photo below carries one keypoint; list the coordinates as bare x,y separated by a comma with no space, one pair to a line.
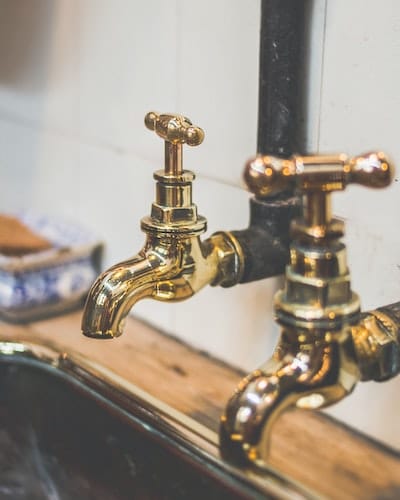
317,360
174,263
173,212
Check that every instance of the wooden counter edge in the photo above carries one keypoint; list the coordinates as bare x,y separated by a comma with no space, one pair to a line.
312,448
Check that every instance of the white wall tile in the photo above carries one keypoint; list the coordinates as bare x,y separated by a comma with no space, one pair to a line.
360,98
127,67
235,324
35,170
218,80
315,47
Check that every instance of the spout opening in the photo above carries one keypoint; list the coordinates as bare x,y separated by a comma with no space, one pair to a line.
112,296
108,334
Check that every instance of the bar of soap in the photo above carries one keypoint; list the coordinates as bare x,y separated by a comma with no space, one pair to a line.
16,239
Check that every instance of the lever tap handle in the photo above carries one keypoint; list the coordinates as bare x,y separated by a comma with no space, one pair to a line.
371,170
266,175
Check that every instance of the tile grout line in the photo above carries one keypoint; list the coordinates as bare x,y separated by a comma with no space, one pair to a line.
119,151
178,36
322,79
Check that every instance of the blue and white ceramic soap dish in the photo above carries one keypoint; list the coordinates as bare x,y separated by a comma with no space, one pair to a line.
53,281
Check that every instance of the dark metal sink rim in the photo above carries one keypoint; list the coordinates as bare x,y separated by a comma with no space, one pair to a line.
70,429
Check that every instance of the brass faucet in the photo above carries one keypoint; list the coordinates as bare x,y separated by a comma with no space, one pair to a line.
326,345
174,263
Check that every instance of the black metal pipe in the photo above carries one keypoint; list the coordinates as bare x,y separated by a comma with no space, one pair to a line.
265,243
281,90
393,311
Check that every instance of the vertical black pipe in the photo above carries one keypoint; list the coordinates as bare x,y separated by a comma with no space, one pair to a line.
281,89
265,243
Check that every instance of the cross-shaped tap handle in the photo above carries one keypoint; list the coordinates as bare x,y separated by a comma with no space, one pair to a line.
266,175
316,177
176,130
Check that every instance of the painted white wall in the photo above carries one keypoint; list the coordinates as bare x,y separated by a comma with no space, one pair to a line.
78,76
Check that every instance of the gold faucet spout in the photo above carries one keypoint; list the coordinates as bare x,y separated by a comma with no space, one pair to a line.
167,269
299,375
117,290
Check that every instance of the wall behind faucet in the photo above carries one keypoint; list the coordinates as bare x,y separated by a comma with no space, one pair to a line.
78,76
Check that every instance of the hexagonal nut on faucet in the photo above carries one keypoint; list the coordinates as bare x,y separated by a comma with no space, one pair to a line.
377,348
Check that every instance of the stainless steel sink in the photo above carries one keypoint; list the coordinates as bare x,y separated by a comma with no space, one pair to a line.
69,429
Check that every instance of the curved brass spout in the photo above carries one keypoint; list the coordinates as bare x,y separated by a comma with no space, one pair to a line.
117,290
166,269
306,375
